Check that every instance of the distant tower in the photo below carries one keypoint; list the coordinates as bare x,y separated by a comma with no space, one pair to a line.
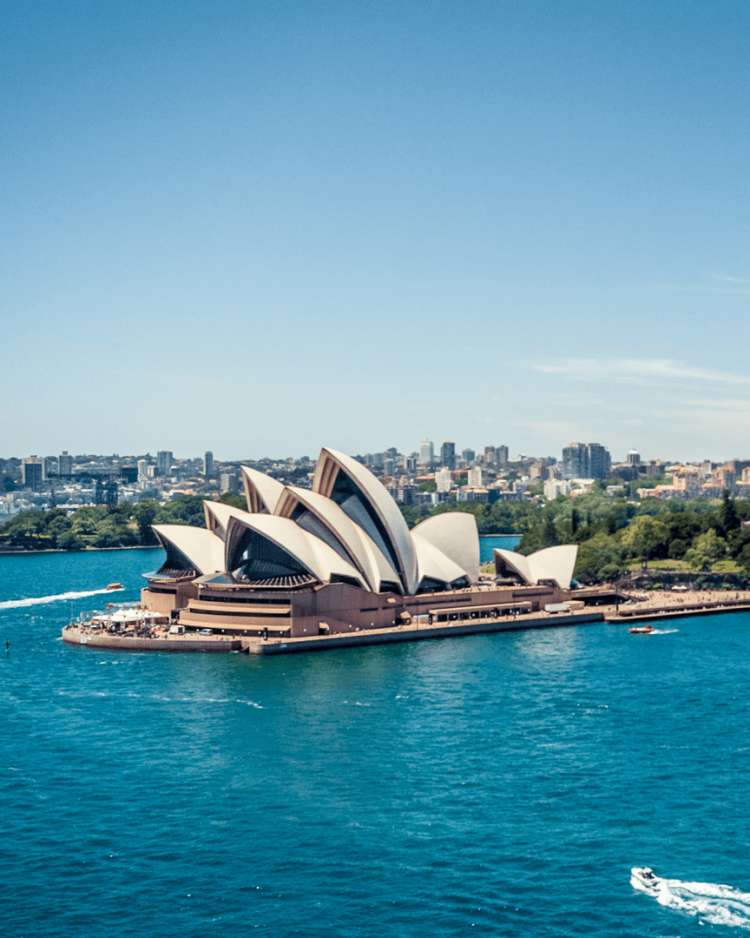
65,465
229,483
208,464
164,460
32,473
475,479
634,458
427,453
443,480
448,455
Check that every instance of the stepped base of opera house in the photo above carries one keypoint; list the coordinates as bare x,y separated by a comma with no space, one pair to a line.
336,609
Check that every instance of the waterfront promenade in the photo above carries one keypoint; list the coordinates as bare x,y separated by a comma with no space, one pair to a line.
660,604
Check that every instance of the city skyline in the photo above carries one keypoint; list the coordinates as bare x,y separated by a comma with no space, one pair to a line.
460,449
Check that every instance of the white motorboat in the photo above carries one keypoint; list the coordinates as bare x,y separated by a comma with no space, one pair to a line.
644,878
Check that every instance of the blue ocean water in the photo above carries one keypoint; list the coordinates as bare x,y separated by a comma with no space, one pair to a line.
497,784
488,542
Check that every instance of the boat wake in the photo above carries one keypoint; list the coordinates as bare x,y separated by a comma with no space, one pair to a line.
710,903
664,631
59,597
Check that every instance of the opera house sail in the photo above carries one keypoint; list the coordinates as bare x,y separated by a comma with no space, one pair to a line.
334,558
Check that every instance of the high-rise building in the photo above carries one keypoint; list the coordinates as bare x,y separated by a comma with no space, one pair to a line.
490,456
32,473
586,461
475,477
536,470
142,470
208,464
468,456
503,455
411,462
448,455
129,474
427,453
634,458
229,483
575,461
444,480
164,460
600,462
65,465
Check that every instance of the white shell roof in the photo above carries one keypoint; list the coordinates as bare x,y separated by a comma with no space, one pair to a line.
433,563
455,534
315,555
384,506
551,563
365,554
444,548
201,547
261,491
217,516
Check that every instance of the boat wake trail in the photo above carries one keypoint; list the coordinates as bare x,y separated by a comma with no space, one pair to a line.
664,631
710,903
59,597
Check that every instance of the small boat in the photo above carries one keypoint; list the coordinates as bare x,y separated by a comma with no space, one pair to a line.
644,878
114,586
641,630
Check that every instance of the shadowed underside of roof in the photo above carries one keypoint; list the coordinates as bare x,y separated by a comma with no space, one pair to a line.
365,500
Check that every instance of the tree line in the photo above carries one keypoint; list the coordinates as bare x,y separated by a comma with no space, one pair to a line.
614,535
127,525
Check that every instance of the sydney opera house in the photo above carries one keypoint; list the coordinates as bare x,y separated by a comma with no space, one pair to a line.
336,558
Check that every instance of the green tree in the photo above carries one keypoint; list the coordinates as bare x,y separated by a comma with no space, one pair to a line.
706,550
743,560
599,558
644,537
236,501
728,517
677,549
549,530
144,514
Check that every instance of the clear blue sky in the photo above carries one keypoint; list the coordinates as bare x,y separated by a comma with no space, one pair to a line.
263,227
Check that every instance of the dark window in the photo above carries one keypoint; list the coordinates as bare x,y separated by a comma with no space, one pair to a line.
313,525
257,558
353,501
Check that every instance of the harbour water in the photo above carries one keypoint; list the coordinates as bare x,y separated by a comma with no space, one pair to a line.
498,784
